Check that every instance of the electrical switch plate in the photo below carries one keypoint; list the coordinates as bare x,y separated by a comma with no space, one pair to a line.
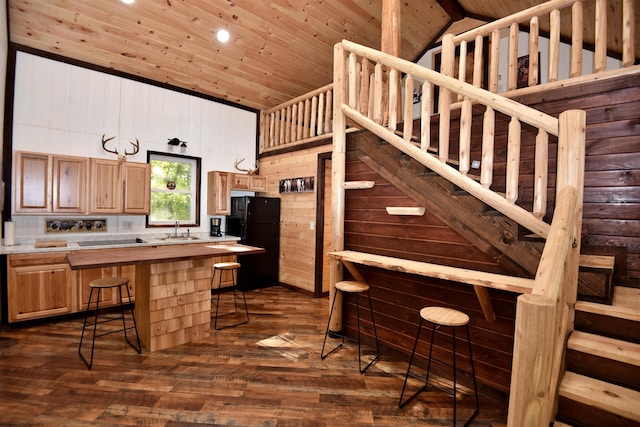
311,225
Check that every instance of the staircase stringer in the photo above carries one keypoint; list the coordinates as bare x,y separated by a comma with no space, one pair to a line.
496,201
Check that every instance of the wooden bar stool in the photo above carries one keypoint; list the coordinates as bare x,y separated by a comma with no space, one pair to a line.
218,269
100,284
442,316
357,288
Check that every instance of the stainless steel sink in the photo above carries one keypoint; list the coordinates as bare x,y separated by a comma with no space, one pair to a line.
179,238
111,242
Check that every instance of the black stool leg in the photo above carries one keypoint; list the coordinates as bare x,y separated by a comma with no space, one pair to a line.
375,334
406,378
133,317
235,305
327,332
89,364
473,373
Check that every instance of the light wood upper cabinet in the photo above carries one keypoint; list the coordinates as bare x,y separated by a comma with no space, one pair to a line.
47,183
249,182
219,193
120,187
257,183
137,188
240,181
106,186
70,184
32,183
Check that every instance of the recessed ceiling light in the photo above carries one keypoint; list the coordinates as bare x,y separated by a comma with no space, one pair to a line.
222,36
127,1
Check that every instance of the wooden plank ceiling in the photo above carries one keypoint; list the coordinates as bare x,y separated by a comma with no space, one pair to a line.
279,49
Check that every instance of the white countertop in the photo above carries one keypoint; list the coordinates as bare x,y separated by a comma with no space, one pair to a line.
72,245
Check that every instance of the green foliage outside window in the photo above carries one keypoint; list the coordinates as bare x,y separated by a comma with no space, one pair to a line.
171,190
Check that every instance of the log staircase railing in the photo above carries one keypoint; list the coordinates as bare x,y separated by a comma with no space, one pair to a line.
367,91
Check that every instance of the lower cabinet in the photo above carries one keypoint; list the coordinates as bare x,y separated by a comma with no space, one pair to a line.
39,285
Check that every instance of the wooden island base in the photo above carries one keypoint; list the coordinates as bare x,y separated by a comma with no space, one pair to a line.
173,302
173,288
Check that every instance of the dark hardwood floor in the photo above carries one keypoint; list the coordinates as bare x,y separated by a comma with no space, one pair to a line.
265,373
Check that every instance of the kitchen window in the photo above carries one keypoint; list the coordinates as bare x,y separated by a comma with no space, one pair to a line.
175,190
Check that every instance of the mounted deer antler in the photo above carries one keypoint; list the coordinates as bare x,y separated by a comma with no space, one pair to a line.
121,157
252,171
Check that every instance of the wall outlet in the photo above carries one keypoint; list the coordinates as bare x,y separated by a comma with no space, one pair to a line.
312,225
127,225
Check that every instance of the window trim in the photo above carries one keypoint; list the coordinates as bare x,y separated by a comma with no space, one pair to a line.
198,180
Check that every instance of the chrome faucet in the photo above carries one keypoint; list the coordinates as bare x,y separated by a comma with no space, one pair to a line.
177,227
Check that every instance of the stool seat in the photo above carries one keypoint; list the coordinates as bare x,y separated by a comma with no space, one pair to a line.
444,316
226,265
108,282
351,286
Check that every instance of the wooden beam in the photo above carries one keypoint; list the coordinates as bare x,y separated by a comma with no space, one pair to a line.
453,9
391,37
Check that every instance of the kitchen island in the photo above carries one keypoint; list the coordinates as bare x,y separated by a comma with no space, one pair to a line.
173,288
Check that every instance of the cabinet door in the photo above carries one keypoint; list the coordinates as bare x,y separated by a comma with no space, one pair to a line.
258,183
70,184
32,183
137,188
241,181
219,193
129,271
38,291
108,297
106,186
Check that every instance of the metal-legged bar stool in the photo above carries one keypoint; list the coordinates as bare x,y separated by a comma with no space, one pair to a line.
218,269
357,288
100,284
442,316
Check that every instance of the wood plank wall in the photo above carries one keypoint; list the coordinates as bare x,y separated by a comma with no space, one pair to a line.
612,165
297,212
398,297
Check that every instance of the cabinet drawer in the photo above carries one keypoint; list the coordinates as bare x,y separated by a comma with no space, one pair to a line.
23,260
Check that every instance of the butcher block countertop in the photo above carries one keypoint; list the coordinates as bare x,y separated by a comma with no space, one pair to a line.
154,254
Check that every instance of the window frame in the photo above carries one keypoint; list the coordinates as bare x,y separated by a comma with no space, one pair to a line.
196,177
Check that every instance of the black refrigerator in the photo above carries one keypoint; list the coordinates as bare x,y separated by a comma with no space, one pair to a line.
256,220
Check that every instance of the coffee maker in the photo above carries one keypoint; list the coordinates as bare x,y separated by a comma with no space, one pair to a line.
216,227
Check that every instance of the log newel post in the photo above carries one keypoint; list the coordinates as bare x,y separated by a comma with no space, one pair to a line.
337,179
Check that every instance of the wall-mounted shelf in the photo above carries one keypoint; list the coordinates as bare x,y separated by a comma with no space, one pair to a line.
352,185
415,211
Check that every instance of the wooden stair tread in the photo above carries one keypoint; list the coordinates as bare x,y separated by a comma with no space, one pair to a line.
625,297
602,395
609,348
627,313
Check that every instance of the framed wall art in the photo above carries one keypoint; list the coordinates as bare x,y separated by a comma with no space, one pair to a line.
296,185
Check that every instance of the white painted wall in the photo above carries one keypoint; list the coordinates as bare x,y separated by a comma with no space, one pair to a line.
65,109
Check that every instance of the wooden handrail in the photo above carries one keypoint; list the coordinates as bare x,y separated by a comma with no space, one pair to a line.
357,56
